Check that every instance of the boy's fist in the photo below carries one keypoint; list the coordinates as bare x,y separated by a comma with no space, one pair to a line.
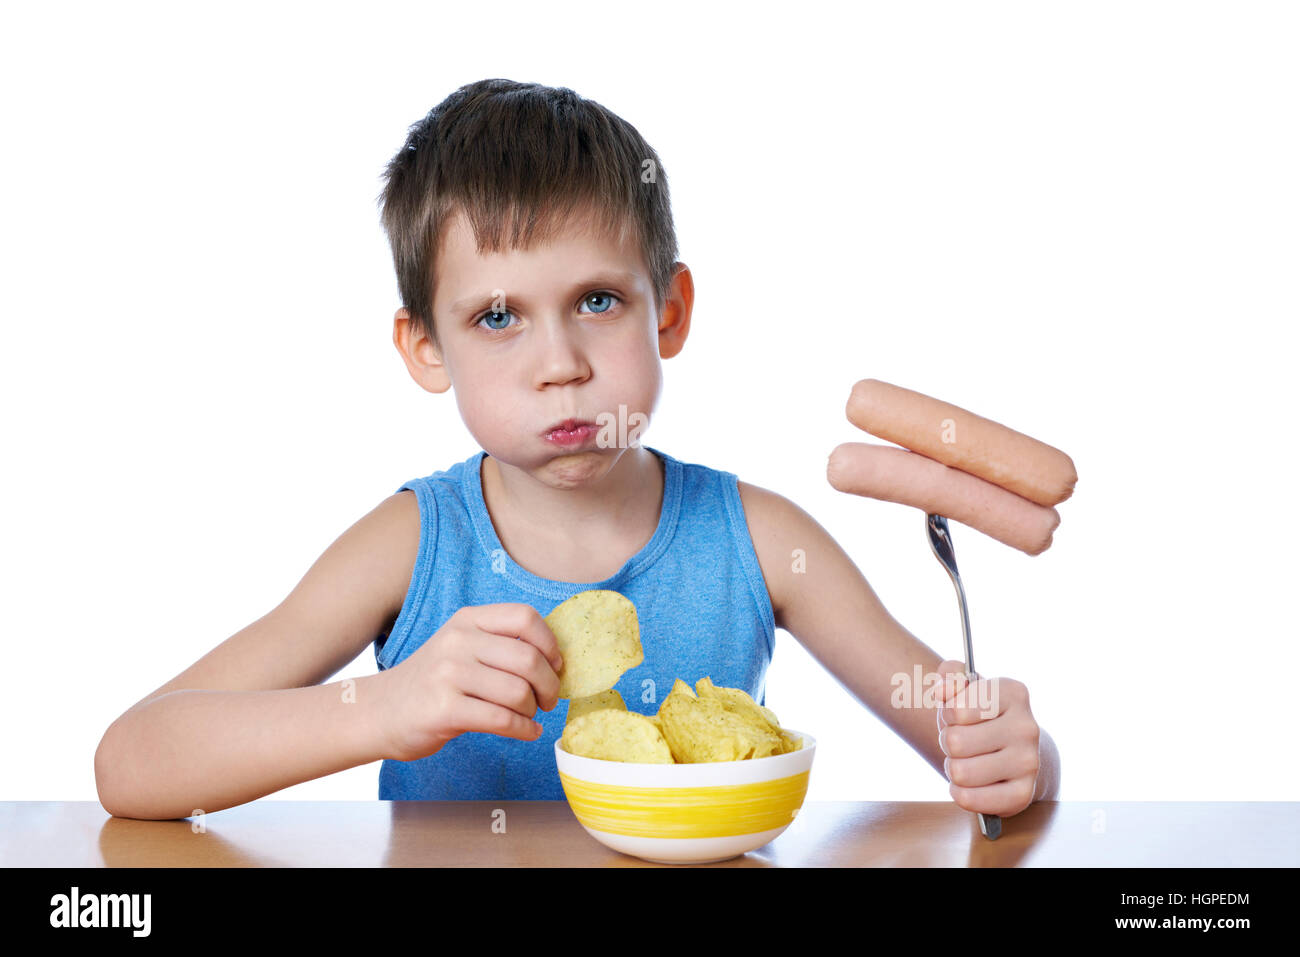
489,668
990,738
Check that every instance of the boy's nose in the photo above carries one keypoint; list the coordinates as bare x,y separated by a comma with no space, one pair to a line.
561,357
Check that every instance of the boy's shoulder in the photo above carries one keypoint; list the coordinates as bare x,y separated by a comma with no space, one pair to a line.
777,526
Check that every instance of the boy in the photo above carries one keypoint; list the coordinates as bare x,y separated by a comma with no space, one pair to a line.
535,254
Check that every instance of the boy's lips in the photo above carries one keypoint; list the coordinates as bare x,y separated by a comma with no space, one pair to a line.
570,432
568,425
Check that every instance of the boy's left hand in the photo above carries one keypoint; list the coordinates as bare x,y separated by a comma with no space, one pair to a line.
990,738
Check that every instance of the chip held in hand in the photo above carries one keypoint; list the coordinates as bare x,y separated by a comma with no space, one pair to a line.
599,639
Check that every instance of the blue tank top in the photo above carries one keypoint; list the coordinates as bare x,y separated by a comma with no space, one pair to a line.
701,602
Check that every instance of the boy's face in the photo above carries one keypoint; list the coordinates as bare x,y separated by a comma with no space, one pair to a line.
532,337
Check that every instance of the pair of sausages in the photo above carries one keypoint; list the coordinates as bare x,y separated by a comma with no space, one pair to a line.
953,463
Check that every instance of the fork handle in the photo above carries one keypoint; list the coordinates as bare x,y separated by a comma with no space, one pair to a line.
990,826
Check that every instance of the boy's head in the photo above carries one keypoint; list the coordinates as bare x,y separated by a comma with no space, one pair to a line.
505,203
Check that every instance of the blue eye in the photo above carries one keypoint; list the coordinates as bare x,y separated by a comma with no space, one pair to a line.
601,295
493,315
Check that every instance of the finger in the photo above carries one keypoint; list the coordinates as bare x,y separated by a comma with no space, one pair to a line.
1006,798
536,632
498,687
517,620
475,714
523,660
952,678
985,769
943,685
951,667
969,740
977,702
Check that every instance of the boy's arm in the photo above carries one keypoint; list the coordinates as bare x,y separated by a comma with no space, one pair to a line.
833,612
251,717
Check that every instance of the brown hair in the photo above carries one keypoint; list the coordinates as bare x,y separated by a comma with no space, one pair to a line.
525,158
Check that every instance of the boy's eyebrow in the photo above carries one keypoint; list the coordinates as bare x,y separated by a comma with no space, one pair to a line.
600,279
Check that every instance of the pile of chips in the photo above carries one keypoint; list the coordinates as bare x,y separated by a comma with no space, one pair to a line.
599,638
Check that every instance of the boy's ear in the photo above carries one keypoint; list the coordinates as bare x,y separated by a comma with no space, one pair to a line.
418,352
675,320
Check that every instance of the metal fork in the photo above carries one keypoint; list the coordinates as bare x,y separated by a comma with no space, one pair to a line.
941,541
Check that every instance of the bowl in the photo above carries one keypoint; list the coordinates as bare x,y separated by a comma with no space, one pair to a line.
686,813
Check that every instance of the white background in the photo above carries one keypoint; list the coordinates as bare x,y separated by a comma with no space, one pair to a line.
1081,220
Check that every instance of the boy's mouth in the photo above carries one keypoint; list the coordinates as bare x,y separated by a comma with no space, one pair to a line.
570,432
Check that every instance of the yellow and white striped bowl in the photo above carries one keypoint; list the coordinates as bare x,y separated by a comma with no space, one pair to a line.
686,813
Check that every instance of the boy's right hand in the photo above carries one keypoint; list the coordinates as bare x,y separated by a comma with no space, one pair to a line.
489,668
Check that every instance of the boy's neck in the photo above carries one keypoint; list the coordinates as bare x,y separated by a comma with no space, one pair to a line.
557,532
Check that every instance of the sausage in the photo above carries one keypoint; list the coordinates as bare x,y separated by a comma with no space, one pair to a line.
907,478
963,440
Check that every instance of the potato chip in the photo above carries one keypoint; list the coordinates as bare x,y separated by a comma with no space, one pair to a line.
736,700
680,687
599,639
707,732
613,735
599,701
733,699
717,724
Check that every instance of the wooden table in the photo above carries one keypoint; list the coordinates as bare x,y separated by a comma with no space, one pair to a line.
272,833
